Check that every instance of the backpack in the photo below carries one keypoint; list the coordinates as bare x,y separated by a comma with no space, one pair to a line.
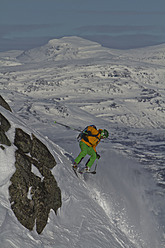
84,134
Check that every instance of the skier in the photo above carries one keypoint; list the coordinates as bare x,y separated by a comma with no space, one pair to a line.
89,139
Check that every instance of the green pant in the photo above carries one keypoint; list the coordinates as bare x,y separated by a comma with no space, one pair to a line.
84,151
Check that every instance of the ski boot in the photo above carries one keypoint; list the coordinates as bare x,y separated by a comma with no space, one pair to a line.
74,166
87,169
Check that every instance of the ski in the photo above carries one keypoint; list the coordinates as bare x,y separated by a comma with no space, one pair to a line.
75,171
87,172
90,172
83,173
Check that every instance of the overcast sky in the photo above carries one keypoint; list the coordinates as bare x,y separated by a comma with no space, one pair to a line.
120,24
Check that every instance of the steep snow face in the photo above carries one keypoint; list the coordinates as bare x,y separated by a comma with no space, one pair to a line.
122,91
111,208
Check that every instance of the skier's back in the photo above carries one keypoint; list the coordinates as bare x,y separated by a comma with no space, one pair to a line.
89,139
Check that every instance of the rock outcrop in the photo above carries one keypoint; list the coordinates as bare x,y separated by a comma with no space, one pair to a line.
4,127
32,195
4,104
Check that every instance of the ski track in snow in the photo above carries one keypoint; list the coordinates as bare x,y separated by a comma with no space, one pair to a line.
78,82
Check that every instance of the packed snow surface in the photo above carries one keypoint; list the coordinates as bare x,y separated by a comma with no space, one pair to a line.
77,83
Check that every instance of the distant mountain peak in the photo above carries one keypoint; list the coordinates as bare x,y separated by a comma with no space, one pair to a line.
60,49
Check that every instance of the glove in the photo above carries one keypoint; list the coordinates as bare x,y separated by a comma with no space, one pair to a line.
98,156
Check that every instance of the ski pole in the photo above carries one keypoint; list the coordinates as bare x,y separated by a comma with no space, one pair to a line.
96,164
69,127
94,172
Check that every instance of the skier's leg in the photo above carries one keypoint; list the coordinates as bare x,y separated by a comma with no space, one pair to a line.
83,152
93,157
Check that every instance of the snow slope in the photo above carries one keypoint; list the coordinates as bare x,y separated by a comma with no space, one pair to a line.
77,82
106,210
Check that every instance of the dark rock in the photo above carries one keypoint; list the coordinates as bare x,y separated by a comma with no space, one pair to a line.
22,161
4,139
31,196
4,123
53,191
22,140
2,147
22,207
4,104
42,154
4,127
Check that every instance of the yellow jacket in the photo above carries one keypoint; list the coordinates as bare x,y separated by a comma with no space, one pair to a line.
91,137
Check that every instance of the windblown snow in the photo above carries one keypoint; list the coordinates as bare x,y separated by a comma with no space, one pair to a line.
78,82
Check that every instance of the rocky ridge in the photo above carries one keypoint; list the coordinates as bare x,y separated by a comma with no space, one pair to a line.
31,196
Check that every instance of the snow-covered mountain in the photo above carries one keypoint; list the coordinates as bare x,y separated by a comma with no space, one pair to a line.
78,82
66,48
